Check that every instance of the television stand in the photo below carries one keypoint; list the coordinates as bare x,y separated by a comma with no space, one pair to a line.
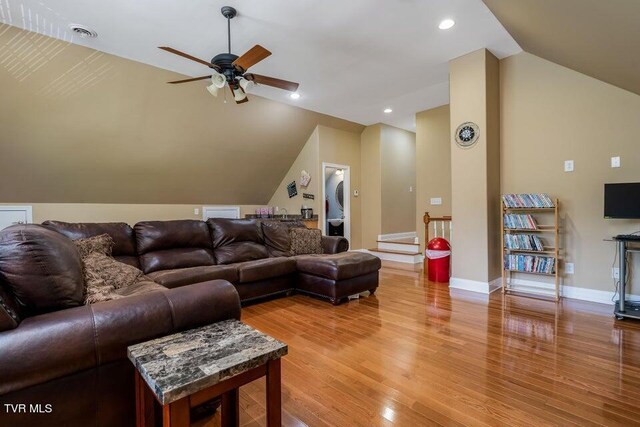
625,309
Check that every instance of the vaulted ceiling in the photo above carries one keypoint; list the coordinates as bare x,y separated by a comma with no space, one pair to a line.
79,125
353,58
599,38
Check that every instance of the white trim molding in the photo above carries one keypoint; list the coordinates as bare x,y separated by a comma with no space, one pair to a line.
397,236
475,285
572,292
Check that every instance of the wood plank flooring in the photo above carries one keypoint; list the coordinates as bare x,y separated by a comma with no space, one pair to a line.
420,354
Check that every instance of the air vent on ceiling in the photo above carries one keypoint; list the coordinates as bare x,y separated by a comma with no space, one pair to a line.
82,31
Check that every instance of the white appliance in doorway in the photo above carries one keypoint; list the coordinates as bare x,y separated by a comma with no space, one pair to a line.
345,218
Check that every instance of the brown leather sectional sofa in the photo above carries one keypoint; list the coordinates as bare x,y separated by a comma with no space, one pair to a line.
55,351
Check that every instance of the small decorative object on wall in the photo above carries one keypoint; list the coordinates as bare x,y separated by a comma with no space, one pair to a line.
291,189
308,196
467,134
305,178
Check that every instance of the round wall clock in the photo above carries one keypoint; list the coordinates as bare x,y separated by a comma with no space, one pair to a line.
467,134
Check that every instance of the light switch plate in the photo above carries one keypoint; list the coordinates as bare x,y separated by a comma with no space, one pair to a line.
568,268
355,193
411,189
615,273
196,211
615,162
568,165
436,201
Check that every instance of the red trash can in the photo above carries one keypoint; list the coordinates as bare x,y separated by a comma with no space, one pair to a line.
438,255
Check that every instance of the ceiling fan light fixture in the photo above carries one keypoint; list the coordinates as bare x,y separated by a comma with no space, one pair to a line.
213,89
238,94
219,80
245,84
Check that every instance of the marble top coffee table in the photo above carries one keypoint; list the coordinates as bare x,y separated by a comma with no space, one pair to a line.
189,368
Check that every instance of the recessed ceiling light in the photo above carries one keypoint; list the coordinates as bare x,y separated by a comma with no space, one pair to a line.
388,110
295,95
446,24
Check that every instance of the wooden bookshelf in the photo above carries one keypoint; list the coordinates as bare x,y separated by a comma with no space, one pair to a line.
548,231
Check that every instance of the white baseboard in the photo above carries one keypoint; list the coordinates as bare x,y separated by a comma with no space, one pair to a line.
572,292
475,285
394,236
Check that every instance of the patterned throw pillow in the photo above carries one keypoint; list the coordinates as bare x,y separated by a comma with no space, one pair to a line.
103,275
102,244
306,241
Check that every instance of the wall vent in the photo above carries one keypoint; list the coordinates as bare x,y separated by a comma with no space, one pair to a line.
82,31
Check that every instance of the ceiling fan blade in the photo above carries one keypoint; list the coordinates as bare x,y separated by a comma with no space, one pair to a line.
186,55
189,80
251,57
272,81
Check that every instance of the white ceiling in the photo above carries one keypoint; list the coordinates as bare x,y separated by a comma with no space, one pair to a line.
352,58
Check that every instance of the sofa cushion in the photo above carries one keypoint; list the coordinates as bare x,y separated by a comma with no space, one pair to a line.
340,266
306,241
277,238
187,276
167,245
124,242
237,240
40,268
9,317
268,268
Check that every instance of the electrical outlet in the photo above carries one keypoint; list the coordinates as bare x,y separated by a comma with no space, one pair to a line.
568,268
615,273
436,201
410,189
196,211
615,162
568,165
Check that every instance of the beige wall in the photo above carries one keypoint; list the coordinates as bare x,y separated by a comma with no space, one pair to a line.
88,127
433,165
371,186
398,177
307,160
551,114
474,98
327,145
111,212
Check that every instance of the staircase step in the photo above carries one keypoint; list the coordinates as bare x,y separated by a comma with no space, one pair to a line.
393,251
407,241
407,257
391,245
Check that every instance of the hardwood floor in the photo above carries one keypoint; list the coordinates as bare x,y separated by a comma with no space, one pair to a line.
419,354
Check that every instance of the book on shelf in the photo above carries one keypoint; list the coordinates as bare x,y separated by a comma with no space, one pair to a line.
527,242
532,200
520,221
530,263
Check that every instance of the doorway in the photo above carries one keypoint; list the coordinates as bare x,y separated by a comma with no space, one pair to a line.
336,191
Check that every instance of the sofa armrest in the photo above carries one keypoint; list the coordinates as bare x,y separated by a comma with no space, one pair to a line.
64,342
334,244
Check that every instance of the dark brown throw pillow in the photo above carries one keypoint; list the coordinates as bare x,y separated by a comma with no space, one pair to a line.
277,238
306,241
102,244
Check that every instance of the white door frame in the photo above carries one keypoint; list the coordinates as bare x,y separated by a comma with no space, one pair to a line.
347,198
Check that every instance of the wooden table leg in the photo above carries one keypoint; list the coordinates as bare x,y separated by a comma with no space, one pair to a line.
177,414
145,415
230,408
274,397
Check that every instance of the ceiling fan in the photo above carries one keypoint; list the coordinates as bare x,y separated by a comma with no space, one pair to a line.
231,70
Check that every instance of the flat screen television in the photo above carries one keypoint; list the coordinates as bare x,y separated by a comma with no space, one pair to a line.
622,201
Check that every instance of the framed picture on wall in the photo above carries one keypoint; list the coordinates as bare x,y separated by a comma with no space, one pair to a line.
291,189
